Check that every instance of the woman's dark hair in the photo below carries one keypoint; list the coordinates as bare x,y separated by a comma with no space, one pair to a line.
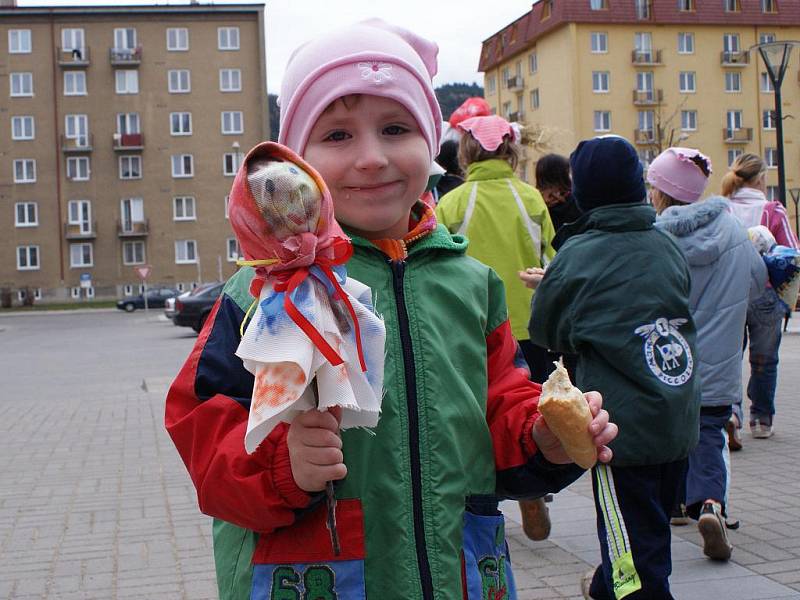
552,170
448,157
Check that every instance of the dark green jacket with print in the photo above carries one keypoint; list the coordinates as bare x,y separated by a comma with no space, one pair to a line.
617,295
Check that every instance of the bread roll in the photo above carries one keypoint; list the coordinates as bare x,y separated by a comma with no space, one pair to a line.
567,414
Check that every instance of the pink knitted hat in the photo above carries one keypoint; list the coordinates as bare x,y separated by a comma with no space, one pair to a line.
676,174
489,131
371,57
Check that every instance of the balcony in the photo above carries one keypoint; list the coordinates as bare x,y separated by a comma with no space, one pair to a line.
516,117
73,58
734,59
648,97
127,142
125,57
646,58
645,137
742,135
127,229
80,231
74,145
516,83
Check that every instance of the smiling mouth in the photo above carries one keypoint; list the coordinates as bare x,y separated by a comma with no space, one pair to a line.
378,186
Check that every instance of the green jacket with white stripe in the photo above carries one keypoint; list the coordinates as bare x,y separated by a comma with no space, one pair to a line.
508,227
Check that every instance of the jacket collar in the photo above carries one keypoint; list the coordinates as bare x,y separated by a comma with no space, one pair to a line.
614,218
494,168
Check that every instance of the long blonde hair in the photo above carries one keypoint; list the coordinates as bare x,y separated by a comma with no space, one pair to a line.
470,151
745,171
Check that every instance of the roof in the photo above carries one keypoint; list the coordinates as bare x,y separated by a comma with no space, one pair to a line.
523,33
48,11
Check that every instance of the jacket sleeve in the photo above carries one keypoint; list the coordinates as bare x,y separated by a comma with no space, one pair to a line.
447,211
206,416
778,223
758,271
552,324
511,411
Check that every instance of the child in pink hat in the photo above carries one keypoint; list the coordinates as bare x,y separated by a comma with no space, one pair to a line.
726,272
417,495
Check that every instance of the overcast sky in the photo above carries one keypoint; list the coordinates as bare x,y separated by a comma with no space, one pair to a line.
458,27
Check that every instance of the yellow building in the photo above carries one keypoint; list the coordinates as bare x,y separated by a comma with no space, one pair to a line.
658,72
121,129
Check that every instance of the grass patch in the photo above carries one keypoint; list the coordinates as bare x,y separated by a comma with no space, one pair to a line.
62,306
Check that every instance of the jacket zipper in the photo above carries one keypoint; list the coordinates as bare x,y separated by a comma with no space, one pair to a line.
398,272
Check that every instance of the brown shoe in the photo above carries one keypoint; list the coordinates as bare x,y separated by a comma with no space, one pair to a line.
535,519
734,436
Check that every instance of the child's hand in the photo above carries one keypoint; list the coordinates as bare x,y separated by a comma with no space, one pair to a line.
531,277
315,449
603,432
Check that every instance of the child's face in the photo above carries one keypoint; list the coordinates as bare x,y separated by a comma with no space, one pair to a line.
375,161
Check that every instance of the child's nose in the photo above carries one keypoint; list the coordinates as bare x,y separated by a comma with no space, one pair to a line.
371,154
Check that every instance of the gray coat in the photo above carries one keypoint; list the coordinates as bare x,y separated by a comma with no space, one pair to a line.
726,273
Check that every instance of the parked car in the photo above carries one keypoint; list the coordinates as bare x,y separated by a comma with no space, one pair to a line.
156,297
169,305
193,310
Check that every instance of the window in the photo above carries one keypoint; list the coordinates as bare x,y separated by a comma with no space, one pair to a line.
180,123
72,39
734,120
131,212
773,193
133,253
125,38
547,9
179,81
686,82
21,84
25,170
732,5
182,165
183,208
19,41
685,5
769,6
76,127
766,38
26,214
533,62
768,119
598,4
80,255
766,84
79,212
74,83
645,82
602,120
75,292
535,99
130,167
228,38
233,250
22,128
177,39
506,75
231,162
643,9
730,42
128,123
688,120
599,42
230,80
227,203
127,81
771,157
185,251
491,84
733,154
600,82
127,290
733,81
685,43
78,168
646,120
232,122
27,258
643,44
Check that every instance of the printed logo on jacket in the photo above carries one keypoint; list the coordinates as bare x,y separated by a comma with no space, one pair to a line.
666,351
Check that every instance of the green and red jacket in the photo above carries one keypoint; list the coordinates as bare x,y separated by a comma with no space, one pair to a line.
455,428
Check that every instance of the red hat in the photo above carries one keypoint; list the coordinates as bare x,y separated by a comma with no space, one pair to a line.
471,107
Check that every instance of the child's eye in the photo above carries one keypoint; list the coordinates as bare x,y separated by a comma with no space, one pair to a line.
337,136
395,130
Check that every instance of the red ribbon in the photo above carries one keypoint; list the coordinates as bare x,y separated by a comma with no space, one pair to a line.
288,281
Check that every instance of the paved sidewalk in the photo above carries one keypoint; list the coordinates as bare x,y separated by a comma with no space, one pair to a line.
95,504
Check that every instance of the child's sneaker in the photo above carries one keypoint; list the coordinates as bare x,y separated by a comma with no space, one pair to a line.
734,435
586,584
761,428
679,516
712,528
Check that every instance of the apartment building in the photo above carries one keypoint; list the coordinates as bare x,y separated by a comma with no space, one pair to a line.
658,72
121,129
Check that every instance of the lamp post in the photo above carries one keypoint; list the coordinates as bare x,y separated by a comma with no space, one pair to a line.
776,58
795,192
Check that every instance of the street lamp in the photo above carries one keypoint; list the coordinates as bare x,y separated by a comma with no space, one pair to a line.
776,58
795,192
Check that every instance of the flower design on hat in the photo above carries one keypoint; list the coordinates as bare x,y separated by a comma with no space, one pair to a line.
377,72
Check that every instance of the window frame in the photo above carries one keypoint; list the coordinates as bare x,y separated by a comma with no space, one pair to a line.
23,119
26,204
134,244
229,89
182,201
78,160
602,114
737,77
181,133
25,162
20,77
684,36
768,119
231,115
771,157
687,77
129,158
28,266
535,99
128,76
185,245
178,73
689,113
182,159
75,75
598,78
83,245
228,47
232,257
20,49
599,36
764,79
177,47
234,158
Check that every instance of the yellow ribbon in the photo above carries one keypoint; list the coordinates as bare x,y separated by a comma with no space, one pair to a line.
262,262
